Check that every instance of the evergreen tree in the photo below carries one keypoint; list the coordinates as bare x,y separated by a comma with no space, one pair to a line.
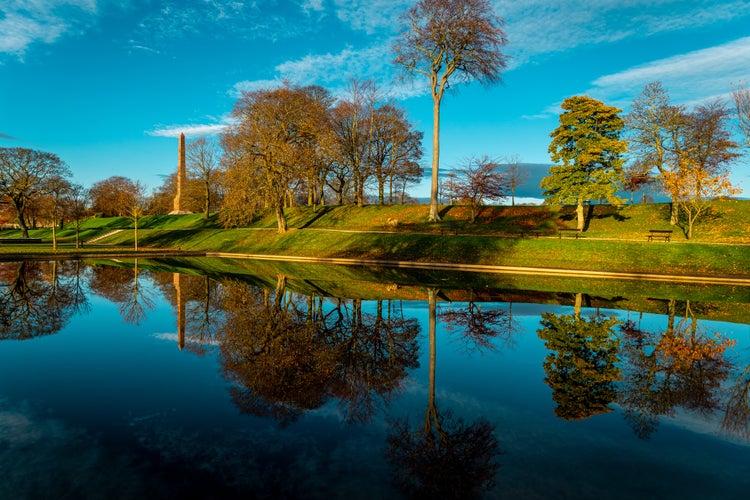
588,154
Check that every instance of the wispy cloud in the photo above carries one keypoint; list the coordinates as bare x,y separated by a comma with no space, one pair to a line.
333,70
267,19
689,77
191,130
371,16
24,23
539,27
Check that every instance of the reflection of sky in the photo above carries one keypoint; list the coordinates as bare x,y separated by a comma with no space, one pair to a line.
103,400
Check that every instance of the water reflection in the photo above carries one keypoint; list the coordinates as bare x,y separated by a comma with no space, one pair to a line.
289,352
38,298
285,353
445,457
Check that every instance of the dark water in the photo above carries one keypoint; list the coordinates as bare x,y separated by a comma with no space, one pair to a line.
123,382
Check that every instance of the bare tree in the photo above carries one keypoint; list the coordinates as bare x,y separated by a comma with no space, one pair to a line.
202,164
741,98
515,175
23,174
440,38
479,180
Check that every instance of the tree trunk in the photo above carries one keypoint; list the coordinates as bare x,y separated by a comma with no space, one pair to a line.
281,219
434,215
579,214
674,215
208,201
21,221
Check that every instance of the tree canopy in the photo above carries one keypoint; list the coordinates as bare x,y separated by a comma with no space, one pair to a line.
588,154
25,175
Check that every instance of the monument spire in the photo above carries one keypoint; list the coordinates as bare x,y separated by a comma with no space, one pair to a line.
178,207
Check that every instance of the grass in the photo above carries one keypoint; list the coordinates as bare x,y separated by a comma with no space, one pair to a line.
615,239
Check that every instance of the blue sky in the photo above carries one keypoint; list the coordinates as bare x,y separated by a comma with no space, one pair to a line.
109,84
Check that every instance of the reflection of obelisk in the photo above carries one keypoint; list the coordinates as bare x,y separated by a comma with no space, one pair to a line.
177,279
181,178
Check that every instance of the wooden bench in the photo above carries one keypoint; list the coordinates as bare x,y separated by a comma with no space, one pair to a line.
449,228
19,241
665,234
568,230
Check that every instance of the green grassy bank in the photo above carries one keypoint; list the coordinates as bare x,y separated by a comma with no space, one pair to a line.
615,239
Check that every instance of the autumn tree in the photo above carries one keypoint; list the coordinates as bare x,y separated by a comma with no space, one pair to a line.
449,41
741,98
479,180
515,175
113,196
704,150
266,149
588,154
23,177
202,162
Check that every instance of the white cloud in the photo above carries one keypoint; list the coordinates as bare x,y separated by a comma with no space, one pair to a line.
194,130
26,22
690,77
537,27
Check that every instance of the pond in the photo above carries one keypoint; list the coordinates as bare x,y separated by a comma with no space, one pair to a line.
215,379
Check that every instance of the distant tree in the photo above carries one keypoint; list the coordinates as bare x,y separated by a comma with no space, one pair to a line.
23,174
479,180
704,151
57,189
202,160
588,153
136,207
76,207
515,174
741,98
113,196
440,38
352,122
395,148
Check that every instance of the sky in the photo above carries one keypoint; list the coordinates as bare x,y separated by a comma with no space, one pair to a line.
108,85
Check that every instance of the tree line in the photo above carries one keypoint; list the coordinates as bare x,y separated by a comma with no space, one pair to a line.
300,145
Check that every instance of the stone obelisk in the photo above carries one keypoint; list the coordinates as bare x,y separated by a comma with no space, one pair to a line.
179,207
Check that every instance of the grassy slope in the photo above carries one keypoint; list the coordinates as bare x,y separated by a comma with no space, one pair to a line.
615,239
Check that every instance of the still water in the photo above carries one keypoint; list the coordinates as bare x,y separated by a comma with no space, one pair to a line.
131,380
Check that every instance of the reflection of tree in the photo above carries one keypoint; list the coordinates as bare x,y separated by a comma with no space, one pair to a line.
480,326
446,458
681,367
737,411
287,354
278,363
36,299
374,353
581,368
123,286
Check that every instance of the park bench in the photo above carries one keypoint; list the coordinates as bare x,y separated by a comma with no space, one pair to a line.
19,241
665,234
449,228
569,230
